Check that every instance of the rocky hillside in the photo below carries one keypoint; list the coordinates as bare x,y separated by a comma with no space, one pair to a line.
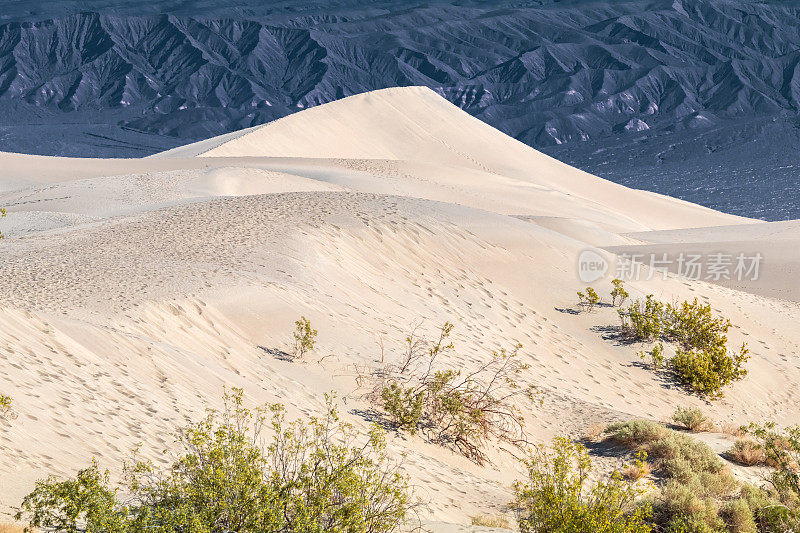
109,78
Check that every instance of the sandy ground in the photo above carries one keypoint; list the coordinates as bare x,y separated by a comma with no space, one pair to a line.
133,291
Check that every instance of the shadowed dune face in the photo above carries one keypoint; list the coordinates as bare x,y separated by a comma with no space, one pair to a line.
132,291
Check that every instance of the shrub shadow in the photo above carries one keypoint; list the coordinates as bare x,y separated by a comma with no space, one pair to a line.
278,354
615,334
373,416
567,310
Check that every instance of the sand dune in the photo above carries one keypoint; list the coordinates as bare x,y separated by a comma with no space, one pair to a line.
133,290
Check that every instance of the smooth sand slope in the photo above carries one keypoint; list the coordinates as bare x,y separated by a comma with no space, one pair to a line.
133,291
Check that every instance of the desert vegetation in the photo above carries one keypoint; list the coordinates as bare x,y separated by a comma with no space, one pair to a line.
2,215
316,475
557,495
696,491
702,362
692,419
6,407
486,520
588,300
618,292
454,407
305,337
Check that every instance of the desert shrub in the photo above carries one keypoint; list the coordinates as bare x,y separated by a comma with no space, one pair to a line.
458,408
315,476
2,214
404,405
556,496
702,362
708,371
589,300
693,326
638,469
692,419
618,292
6,407
485,520
636,433
594,432
746,452
656,354
696,491
305,337
643,320
782,452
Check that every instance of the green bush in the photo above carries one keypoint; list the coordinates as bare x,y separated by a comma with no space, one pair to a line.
708,371
404,405
315,477
2,214
6,407
589,300
457,408
702,363
691,419
557,497
643,321
618,292
305,337
636,433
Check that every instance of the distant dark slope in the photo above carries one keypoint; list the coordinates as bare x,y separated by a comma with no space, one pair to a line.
569,77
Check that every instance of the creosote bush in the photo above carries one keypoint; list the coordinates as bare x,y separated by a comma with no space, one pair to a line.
460,408
618,292
557,495
692,419
316,476
7,408
305,337
589,300
702,362
696,491
782,452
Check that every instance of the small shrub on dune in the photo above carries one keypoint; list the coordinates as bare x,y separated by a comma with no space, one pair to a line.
455,407
588,300
6,407
2,215
708,371
643,320
556,495
636,433
485,520
305,337
747,452
692,419
618,292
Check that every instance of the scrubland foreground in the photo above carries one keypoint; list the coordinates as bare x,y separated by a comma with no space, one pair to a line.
134,292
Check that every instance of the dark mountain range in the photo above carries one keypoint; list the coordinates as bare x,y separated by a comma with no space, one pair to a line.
694,98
